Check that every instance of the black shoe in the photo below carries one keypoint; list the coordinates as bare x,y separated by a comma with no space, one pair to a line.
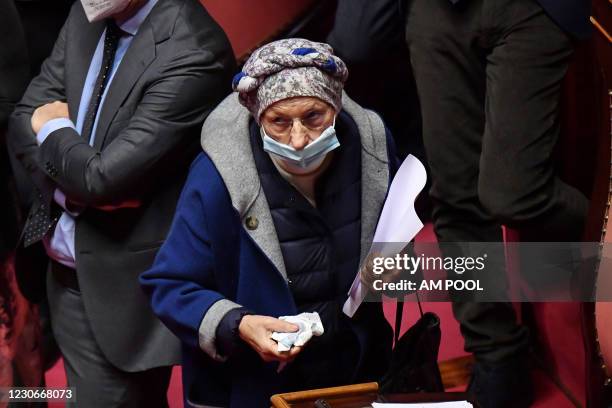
502,385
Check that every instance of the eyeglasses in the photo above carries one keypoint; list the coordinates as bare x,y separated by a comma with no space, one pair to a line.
312,120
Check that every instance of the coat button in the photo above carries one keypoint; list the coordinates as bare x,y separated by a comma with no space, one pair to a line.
252,222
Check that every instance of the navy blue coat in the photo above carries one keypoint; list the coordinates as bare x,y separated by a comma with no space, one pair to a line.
209,256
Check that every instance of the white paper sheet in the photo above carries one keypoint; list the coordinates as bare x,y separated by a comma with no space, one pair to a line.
451,404
398,223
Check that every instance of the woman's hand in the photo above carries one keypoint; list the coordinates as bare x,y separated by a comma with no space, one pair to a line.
368,276
256,331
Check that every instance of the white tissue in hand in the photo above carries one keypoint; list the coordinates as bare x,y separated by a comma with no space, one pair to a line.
309,325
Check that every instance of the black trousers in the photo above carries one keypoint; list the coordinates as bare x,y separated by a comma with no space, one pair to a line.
489,75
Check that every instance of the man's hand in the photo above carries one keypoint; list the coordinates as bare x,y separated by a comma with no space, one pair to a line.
256,331
47,112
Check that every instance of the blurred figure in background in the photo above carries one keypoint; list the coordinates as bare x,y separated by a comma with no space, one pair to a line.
20,348
40,21
106,133
368,35
489,76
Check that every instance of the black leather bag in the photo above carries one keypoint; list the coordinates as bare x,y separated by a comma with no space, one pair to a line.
414,363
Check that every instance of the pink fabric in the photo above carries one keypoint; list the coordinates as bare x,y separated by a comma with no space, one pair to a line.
559,331
20,352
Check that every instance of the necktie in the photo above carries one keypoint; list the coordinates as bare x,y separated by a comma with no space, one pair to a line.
44,213
111,39
42,217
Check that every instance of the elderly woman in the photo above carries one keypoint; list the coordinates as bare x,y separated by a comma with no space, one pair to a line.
275,218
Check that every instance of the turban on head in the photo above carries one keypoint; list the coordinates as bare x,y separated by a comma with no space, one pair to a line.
289,68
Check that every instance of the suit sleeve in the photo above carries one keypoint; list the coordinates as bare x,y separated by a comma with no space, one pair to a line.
182,282
47,87
165,123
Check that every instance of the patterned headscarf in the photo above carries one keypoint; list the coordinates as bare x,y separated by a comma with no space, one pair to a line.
289,68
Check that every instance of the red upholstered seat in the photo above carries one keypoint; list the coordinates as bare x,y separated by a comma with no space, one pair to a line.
249,24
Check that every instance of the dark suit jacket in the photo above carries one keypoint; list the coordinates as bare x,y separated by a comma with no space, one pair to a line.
13,80
571,15
13,60
178,67
366,30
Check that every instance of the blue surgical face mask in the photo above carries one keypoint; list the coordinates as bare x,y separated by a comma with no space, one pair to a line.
311,156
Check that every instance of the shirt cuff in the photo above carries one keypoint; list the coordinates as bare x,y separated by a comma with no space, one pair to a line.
52,126
60,198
